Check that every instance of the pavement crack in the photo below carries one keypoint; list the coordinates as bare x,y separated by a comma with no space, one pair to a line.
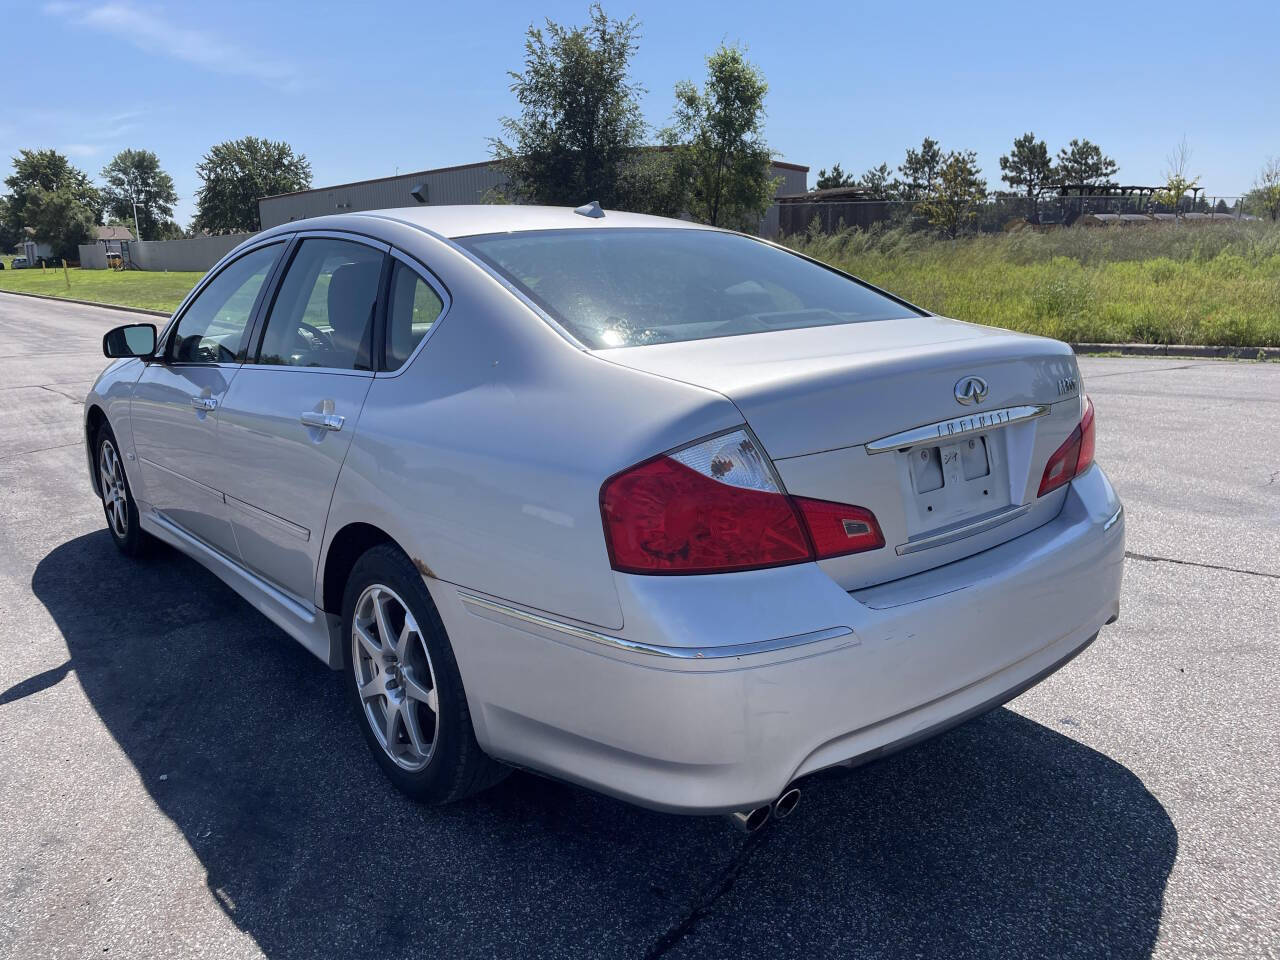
706,899
1205,566
24,453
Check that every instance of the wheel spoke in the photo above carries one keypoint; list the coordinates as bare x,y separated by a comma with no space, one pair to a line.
380,616
366,640
416,691
414,730
390,723
373,688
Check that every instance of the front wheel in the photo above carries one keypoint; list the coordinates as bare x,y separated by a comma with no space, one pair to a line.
404,685
117,498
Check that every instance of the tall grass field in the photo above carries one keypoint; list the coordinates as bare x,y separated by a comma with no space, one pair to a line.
1213,284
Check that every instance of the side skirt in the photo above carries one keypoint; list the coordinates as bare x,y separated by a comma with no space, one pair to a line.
318,631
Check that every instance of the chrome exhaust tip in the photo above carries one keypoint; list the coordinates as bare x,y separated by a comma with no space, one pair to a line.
749,821
786,804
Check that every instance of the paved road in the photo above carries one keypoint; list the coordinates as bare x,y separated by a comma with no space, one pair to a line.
178,779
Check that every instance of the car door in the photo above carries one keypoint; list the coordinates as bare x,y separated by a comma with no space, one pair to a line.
174,410
286,422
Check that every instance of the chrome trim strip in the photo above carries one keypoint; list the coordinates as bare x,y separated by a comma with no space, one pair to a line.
1114,517
676,653
932,433
951,536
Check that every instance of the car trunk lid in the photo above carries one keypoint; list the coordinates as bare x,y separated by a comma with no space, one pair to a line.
941,428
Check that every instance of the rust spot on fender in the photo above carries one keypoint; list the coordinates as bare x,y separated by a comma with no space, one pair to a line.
423,568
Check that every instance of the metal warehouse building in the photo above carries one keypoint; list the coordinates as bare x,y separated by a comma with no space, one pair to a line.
468,183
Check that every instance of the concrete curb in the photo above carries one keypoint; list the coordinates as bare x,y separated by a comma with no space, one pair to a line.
88,303
1179,350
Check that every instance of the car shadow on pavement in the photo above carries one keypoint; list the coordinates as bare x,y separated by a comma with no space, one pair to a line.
1002,838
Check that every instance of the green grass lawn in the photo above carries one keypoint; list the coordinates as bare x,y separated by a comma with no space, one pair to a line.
1215,284
130,288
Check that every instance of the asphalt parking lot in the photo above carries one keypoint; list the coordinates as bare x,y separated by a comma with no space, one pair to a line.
179,779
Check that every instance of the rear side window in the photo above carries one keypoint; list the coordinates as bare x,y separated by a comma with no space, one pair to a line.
323,314
214,326
627,287
414,308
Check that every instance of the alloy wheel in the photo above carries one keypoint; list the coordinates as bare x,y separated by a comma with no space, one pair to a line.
394,677
114,497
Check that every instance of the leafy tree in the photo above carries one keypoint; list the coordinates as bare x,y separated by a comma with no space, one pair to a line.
1029,168
1082,162
720,149
60,218
1178,179
836,178
1264,198
49,171
920,170
134,176
957,190
236,174
876,182
580,134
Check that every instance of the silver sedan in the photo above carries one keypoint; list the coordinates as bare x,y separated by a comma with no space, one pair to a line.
666,511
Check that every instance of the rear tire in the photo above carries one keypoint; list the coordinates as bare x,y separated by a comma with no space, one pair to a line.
117,497
403,684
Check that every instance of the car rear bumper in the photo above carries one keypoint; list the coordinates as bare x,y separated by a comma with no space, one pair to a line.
722,690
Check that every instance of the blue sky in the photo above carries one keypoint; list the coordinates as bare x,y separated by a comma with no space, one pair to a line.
364,89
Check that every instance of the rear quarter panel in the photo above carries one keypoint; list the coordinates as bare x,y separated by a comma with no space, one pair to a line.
484,458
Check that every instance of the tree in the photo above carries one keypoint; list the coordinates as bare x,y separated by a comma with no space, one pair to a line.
1029,168
134,176
719,144
1178,178
920,170
1265,195
958,188
235,174
48,171
1082,162
876,183
580,134
835,179
61,219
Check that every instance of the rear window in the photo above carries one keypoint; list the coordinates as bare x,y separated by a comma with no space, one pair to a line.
631,287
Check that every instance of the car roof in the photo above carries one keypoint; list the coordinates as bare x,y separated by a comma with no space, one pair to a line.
471,219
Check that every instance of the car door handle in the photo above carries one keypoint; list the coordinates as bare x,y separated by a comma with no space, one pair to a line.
204,403
323,421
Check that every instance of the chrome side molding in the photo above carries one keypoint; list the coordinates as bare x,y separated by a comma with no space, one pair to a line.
477,602
933,433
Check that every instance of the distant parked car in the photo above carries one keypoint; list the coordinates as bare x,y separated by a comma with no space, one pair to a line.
20,263
667,511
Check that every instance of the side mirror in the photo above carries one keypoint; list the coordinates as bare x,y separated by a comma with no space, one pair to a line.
133,340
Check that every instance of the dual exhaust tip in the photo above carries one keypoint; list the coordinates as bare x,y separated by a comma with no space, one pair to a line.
749,821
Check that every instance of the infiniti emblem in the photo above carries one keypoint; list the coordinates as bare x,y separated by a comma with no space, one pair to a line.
971,390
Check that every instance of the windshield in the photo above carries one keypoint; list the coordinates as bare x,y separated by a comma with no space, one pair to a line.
631,287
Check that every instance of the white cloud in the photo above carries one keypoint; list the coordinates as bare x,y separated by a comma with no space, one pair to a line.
150,31
82,149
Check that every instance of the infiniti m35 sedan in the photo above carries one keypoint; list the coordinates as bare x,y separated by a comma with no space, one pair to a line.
666,511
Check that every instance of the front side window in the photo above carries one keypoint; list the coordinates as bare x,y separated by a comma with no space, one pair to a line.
214,326
323,314
623,287
413,308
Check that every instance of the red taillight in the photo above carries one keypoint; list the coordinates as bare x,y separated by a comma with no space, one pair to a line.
838,528
1074,457
715,507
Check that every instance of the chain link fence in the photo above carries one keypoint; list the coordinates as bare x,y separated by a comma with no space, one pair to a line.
999,214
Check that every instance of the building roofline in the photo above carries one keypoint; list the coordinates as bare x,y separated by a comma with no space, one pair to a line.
394,176
460,166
